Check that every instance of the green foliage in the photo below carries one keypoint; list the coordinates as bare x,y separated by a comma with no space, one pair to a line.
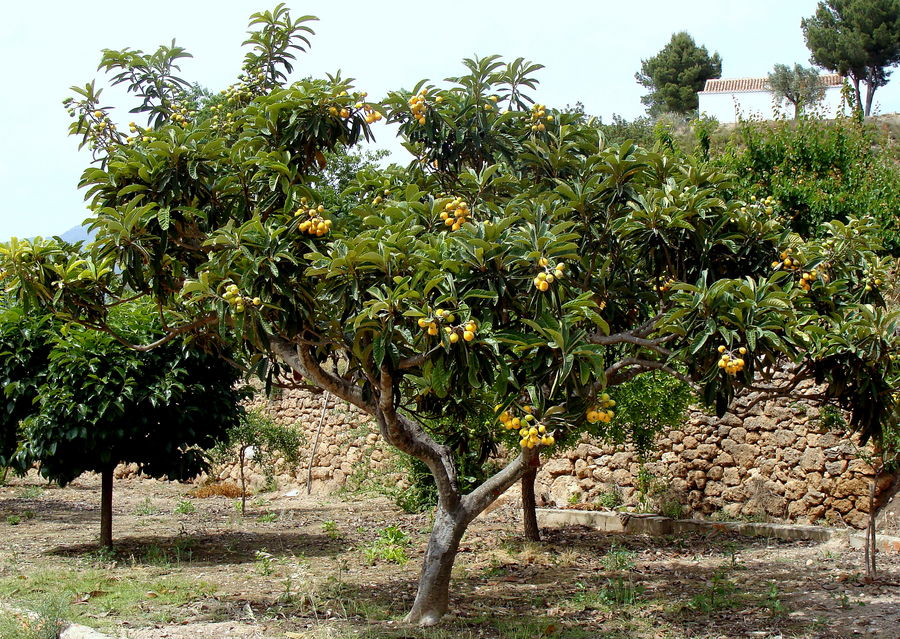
99,403
617,559
645,406
47,621
856,38
819,171
518,262
801,86
268,440
719,594
675,75
390,546
185,507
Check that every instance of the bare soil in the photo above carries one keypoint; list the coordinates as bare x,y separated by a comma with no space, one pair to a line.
305,567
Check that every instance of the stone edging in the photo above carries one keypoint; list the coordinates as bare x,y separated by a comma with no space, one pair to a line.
657,525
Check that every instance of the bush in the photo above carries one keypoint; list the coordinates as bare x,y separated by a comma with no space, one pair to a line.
819,170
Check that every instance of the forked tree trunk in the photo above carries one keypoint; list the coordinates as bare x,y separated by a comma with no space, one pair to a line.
870,95
529,514
106,495
433,596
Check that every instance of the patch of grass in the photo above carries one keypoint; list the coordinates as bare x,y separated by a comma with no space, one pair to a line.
105,596
619,559
29,492
185,507
267,518
265,562
13,520
616,592
390,546
180,552
146,508
331,530
773,602
47,621
719,594
610,499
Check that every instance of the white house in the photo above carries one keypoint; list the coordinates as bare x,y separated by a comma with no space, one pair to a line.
727,98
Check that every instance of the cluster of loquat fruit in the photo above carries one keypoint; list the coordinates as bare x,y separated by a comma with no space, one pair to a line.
531,432
808,277
378,199
602,411
417,106
538,117
465,331
765,205
237,301
549,274
788,262
456,213
315,224
663,284
489,106
729,363
871,280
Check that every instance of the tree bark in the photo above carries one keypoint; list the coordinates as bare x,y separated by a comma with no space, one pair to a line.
106,495
455,511
870,95
529,514
242,459
871,569
858,93
433,595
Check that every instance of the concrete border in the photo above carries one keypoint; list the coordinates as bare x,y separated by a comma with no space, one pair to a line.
657,525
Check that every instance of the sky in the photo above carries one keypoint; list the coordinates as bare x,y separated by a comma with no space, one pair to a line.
591,50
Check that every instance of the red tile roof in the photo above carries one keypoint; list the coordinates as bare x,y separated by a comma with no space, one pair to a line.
740,85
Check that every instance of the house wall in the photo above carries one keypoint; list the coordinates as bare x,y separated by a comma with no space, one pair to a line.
725,107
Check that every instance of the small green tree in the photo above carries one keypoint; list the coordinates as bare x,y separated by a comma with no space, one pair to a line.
801,86
859,39
96,403
268,440
675,75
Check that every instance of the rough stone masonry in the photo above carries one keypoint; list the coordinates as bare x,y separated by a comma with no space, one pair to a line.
777,463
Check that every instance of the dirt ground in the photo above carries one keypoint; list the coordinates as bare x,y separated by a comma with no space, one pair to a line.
302,567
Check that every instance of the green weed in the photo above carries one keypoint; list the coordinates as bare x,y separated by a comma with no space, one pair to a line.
185,507
390,546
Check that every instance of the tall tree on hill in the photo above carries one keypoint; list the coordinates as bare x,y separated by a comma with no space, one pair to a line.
676,74
859,39
801,86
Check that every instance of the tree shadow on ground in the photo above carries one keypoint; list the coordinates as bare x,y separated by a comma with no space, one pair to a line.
48,509
208,549
563,588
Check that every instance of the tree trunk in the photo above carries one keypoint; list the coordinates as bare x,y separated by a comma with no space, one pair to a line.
242,459
433,596
106,495
858,93
871,570
870,95
529,514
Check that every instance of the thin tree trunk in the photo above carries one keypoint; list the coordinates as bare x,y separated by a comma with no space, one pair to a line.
871,570
242,459
433,596
529,514
312,452
106,496
858,93
870,95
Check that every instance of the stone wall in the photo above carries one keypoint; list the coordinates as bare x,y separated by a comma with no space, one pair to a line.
349,449
777,463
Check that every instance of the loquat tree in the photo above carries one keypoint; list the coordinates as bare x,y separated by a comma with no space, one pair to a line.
519,266
80,401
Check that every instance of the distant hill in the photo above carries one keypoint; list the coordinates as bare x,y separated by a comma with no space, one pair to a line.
77,234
